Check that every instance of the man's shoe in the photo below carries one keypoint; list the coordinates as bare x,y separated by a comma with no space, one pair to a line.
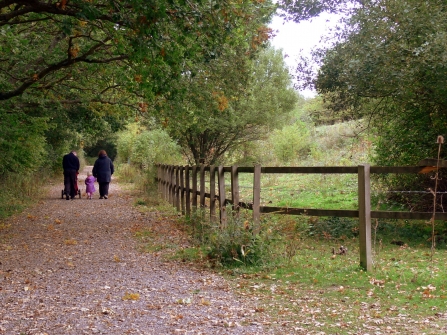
106,197
67,197
101,197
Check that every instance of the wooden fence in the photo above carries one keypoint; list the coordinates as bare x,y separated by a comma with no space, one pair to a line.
179,185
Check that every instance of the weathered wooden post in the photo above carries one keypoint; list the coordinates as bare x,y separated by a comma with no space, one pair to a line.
168,183
172,182
188,192
177,187
163,181
194,188
221,186
364,194
159,178
235,189
212,193
202,186
182,189
257,199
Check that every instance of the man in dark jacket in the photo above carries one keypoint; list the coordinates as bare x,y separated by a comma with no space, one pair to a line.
102,171
70,163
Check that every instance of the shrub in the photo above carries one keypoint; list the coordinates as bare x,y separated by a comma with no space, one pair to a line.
22,142
234,244
291,142
144,148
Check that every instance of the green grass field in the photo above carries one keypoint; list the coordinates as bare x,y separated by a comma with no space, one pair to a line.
318,293
303,191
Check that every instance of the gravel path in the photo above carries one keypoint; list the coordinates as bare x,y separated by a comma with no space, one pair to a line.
72,267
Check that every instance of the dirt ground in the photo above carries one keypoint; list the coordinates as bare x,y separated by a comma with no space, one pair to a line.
72,267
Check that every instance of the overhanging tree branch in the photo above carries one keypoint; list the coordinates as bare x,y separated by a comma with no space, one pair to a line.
55,67
38,7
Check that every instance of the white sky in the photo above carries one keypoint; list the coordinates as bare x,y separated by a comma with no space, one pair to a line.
299,38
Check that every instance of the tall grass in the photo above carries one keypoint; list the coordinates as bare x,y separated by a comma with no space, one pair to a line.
141,180
21,190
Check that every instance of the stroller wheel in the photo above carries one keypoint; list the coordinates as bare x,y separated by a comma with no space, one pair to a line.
62,194
79,193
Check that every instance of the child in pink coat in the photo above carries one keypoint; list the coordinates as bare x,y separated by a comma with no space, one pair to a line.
90,185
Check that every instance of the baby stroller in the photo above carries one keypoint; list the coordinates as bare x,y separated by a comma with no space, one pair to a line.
77,190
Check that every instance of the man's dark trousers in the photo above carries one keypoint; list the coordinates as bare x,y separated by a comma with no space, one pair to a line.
70,182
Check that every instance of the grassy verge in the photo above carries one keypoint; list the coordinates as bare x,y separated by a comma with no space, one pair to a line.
317,293
19,191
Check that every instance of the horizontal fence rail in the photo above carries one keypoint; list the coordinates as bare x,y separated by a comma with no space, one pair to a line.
185,188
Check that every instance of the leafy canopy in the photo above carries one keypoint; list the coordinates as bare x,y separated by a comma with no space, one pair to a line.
137,46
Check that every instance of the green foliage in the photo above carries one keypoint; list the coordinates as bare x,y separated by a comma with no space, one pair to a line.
50,47
397,146
20,190
320,112
108,144
22,142
125,143
388,67
128,173
144,148
291,142
232,100
343,143
298,10
250,153
86,67
233,244
303,144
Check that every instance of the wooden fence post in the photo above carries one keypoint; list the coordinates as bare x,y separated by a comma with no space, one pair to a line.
202,186
257,199
163,179
172,181
188,191
235,190
365,216
169,184
166,182
194,188
182,189
158,178
212,193
221,186
177,187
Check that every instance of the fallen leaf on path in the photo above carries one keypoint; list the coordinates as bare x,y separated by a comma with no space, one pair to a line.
131,296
